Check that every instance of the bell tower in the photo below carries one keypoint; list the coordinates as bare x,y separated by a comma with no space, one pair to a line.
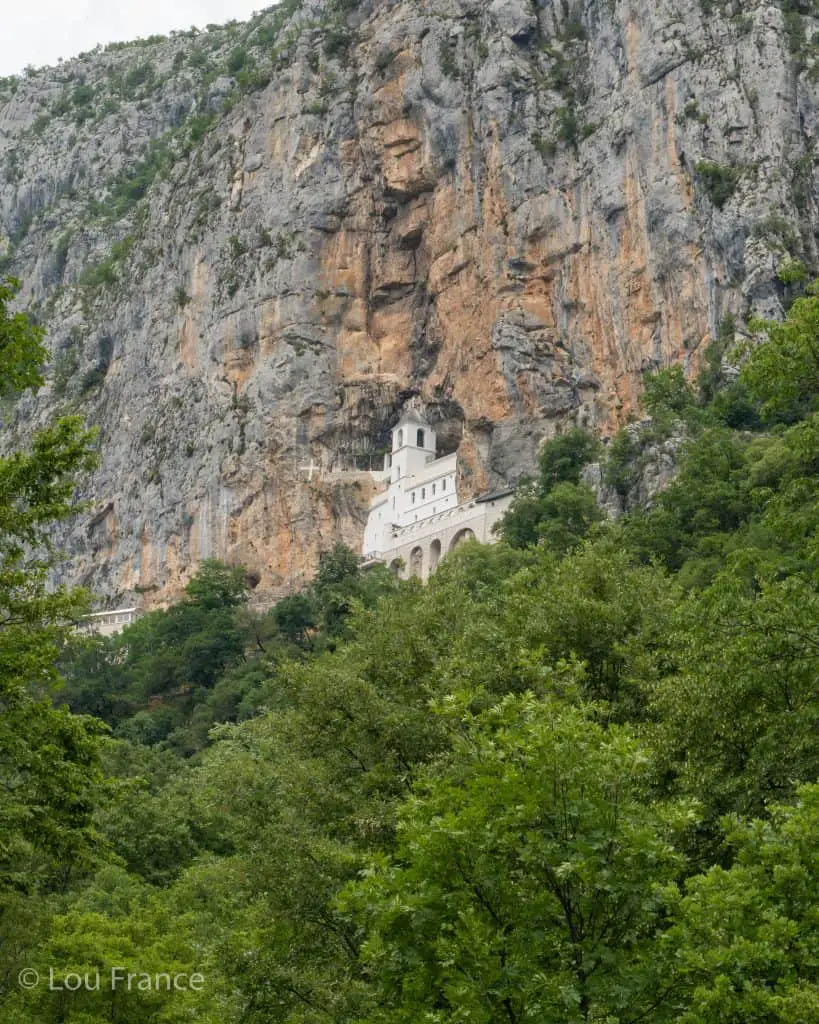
413,446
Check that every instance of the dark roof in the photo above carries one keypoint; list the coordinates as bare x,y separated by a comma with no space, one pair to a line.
495,495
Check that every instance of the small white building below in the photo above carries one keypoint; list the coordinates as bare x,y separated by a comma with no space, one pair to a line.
419,518
109,623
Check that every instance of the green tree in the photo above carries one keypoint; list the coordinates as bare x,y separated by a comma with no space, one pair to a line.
725,399
595,609
556,509
695,517
735,491
49,758
315,780
146,815
562,459
216,585
735,698
147,682
340,585
519,527
118,922
524,885
569,513
22,352
783,372
745,942
297,617
668,394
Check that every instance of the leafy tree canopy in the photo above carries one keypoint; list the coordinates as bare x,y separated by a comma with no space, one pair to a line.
49,759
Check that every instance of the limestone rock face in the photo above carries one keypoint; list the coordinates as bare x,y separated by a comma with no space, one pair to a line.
252,246
653,467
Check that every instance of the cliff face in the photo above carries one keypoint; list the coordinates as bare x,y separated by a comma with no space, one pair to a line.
253,245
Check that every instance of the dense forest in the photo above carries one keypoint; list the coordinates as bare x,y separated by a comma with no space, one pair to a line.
572,779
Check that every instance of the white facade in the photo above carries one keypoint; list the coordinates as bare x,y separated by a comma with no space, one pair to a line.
419,519
109,623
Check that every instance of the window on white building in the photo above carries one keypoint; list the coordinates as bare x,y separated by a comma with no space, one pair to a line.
443,485
423,493
420,439
413,497
433,490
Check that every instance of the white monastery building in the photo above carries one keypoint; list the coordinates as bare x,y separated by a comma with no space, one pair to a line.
109,623
419,518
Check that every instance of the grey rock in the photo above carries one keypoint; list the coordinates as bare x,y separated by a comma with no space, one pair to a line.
515,18
242,284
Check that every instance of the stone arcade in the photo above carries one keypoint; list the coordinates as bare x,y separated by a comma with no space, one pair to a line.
419,518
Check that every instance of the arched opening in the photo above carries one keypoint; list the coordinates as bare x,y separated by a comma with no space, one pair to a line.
461,537
416,562
399,439
419,439
396,565
434,555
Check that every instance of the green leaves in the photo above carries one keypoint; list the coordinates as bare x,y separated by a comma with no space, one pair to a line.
37,487
37,490
525,878
22,352
783,373
746,939
218,586
558,510
737,714
568,513
562,459
49,766
734,492
49,759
